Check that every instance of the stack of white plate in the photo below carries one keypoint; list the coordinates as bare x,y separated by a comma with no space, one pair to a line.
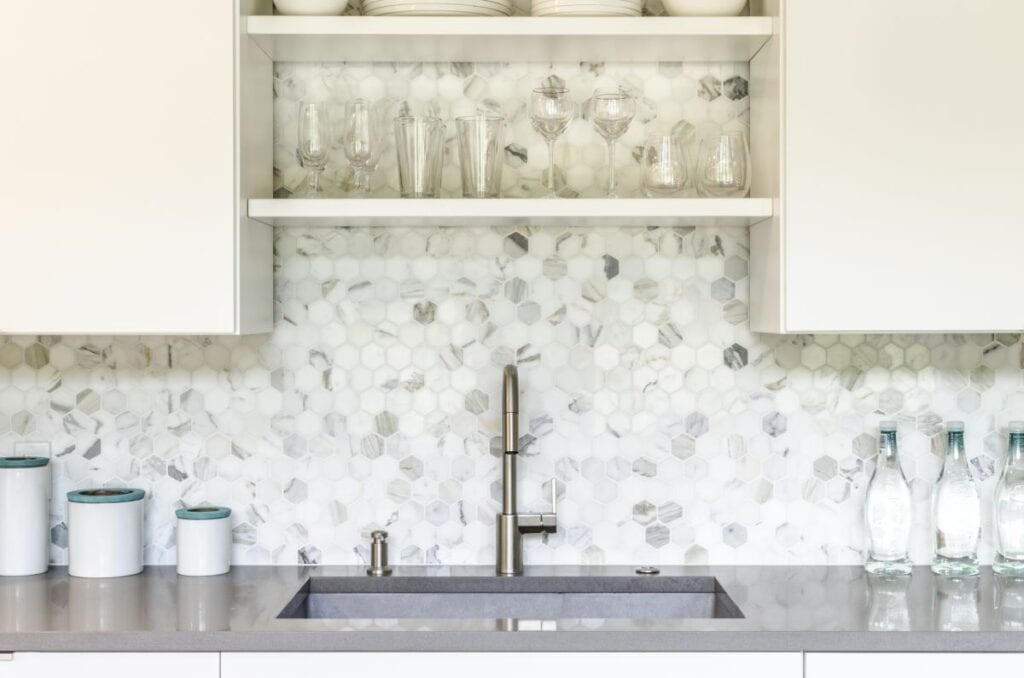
587,7
437,7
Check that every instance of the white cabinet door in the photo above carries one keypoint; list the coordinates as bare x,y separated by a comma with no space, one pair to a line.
120,186
107,664
903,665
901,205
513,665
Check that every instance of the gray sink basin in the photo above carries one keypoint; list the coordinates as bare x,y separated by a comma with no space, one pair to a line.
658,597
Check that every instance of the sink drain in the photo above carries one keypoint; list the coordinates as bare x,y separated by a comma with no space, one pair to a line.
647,570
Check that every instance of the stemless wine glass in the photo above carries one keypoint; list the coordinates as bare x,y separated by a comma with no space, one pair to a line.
662,166
611,111
551,111
362,138
723,170
314,143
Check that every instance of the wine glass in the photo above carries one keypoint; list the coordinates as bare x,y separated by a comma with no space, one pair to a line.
314,143
361,138
611,112
723,170
662,166
551,111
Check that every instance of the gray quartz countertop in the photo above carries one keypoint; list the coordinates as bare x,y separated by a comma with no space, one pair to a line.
784,608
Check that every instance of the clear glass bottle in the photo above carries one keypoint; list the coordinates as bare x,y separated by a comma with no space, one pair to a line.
956,511
888,510
1009,507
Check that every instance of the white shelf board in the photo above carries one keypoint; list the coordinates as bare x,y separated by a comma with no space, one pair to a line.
512,211
509,39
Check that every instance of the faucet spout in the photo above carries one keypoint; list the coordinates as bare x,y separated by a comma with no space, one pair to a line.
510,409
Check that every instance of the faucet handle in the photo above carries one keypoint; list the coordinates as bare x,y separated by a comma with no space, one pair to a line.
554,495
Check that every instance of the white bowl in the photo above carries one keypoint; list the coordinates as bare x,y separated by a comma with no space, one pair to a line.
311,7
704,7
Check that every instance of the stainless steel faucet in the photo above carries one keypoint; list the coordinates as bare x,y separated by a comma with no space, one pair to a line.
511,524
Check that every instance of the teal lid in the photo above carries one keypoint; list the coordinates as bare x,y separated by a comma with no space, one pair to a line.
203,513
23,462
105,495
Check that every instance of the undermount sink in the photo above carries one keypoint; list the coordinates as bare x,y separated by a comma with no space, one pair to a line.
657,597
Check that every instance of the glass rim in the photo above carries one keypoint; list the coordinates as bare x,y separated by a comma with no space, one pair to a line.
424,118
553,88
612,94
480,116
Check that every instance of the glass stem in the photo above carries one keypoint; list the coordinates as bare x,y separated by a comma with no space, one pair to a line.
314,180
611,168
551,166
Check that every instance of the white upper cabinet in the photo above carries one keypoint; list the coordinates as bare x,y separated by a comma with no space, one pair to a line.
902,166
122,179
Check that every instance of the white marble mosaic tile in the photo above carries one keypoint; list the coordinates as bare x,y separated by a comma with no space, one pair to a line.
673,433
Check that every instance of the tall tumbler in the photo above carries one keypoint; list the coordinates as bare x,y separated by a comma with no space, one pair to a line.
481,140
420,145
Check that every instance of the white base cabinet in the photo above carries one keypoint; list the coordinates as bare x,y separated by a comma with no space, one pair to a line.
513,664
906,664
107,664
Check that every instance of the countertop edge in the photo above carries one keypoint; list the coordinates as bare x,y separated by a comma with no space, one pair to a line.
518,641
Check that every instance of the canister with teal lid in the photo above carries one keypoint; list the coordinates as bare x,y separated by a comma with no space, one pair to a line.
204,541
25,510
105,532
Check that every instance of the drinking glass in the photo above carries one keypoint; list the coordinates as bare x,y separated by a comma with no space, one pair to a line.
419,142
362,138
662,166
314,143
723,170
611,111
551,111
481,144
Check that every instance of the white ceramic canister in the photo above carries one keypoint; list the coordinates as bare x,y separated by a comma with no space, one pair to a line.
105,532
204,541
25,513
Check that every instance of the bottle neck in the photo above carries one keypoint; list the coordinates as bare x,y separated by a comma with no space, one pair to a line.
1015,453
887,447
955,451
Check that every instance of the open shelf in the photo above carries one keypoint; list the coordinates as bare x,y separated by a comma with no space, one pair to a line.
517,39
512,211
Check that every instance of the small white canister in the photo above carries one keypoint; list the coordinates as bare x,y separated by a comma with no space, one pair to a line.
105,532
204,541
25,511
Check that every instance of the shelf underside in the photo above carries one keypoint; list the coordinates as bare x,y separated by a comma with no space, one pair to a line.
677,212
510,39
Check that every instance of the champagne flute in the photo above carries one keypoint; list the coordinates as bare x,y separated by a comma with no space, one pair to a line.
314,143
611,112
551,111
361,139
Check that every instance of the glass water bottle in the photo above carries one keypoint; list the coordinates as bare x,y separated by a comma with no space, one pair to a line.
956,511
888,511
1009,507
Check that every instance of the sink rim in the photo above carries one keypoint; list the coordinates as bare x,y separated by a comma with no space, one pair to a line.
454,585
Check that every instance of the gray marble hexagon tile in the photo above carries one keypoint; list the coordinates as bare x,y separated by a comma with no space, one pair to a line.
672,433
690,100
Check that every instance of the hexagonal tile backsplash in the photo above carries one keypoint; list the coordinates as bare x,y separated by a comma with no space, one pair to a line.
672,433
